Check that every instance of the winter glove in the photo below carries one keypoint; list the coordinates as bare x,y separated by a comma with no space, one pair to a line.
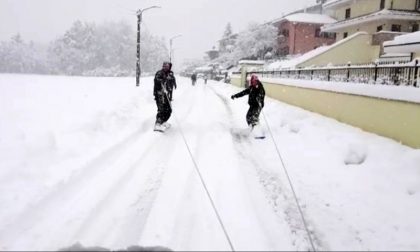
232,97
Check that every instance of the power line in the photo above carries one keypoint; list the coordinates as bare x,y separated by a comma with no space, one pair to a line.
290,183
202,180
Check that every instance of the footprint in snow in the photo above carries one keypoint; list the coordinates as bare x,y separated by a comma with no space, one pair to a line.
356,154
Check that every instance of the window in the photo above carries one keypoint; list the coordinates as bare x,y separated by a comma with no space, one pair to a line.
415,28
328,35
379,28
285,33
396,28
317,32
418,5
348,13
382,6
284,51
345,35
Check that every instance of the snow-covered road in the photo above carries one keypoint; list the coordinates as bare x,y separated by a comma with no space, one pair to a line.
79,162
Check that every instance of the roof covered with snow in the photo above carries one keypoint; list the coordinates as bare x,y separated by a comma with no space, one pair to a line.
408,43
307,18
408,38
376,16
251,62
203,69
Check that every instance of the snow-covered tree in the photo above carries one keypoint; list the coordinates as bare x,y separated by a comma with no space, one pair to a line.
227,42
108,49
16,56
255,42
73,53
153,52
228,31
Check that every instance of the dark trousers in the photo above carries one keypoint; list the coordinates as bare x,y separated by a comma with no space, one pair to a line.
252,117
170,91
164,109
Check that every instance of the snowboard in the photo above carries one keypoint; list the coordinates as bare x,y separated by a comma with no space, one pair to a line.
162,128
257,132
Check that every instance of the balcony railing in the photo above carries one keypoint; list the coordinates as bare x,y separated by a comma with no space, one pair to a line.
411,15
397,74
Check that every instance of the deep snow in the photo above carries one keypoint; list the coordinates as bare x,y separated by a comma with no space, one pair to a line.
79,162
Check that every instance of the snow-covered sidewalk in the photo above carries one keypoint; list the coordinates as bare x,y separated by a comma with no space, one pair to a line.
79,162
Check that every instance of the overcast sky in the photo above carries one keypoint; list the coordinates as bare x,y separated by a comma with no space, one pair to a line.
201,22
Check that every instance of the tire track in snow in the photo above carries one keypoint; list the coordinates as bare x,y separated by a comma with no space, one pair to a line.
138,206
146,197
278,196
142,206
64,194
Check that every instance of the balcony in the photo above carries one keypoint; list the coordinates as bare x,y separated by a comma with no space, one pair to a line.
372,17
336,3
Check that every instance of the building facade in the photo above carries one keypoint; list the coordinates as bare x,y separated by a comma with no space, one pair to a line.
383,18
301,32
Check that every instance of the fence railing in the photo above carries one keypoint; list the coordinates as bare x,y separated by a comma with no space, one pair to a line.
396,74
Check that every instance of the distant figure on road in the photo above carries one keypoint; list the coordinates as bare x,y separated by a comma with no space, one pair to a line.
193,78
256,97
163,79
205,79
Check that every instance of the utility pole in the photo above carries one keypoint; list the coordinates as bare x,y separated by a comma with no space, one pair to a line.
170,46
139,19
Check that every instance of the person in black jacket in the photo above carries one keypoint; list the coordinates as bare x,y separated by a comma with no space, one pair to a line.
193,78
163,79
256,97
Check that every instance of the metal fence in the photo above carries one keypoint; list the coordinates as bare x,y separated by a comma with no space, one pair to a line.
396,74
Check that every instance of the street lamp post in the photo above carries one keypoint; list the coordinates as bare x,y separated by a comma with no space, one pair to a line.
139,18
170,46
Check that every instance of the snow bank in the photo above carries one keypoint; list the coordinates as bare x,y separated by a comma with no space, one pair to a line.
80,163
80,247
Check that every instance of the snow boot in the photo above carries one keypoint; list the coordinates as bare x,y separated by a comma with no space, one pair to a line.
257,131
159,127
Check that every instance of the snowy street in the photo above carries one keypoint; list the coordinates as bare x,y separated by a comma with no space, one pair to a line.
80,162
